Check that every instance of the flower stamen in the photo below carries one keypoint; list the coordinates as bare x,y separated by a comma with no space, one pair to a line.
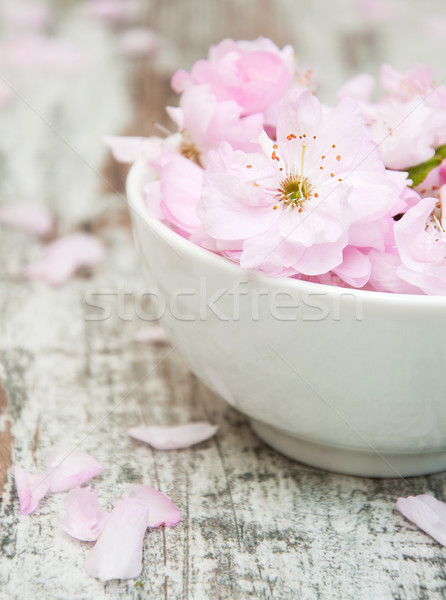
435,225
303,156
294,191
189,150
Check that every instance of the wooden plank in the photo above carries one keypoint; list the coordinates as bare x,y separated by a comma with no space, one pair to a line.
6,439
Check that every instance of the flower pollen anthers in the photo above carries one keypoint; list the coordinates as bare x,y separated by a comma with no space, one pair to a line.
295,189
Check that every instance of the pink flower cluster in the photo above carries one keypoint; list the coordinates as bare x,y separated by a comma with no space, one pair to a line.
263,173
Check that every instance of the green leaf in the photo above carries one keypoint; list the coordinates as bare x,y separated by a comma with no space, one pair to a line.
419,173
441,151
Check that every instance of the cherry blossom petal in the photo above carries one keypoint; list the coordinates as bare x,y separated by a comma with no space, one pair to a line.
257,254
208,122
85,518
181,80
128,149
384,277
138,41
320,258
64,257
118,552
231,207
254,74
427,513
369,235
30,489
181,181
174,438
426,282
69,468
417,82
154,334
407,132
355,268
421,239
28,217
161,509
359,87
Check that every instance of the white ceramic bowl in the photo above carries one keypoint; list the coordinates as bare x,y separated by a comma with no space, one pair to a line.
346,380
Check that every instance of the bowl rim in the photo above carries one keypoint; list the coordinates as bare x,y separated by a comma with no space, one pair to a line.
140,172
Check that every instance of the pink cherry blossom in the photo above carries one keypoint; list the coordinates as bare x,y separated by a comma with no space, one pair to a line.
409,122
161,509
85,518
118,552
205,122
421,241
254,74
269,178
30,489
64,257
175,437
180,186
427,513
173,197
407,132
69,468
417,83
293,205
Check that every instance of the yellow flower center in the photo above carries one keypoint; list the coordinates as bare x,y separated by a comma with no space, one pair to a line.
189,150
294,191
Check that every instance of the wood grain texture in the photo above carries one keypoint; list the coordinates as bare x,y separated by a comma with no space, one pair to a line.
6,438
255,524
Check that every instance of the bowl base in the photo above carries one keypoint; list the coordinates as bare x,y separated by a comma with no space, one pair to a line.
350,462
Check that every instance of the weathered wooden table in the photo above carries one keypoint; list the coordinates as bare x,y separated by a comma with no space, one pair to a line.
255,524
